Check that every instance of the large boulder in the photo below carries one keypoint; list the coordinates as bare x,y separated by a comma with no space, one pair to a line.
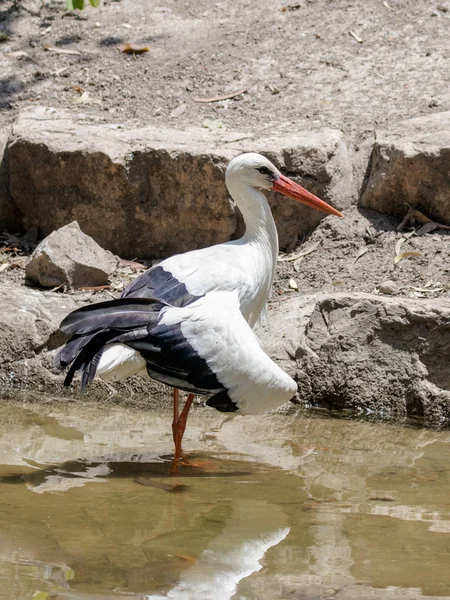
152,191
29,323
69,256
409,166
368,353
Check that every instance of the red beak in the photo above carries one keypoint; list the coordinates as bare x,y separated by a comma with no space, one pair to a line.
289,188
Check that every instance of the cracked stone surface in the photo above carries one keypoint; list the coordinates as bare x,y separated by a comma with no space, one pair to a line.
153,191
409,167
375,354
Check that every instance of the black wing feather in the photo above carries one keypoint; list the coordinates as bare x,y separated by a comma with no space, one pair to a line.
134,322
159,284
123,313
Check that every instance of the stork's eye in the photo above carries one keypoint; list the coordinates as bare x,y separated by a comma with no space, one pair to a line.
266,171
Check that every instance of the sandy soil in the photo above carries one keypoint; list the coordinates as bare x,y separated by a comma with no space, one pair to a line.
299,61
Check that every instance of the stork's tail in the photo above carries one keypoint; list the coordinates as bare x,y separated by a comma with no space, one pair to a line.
94,326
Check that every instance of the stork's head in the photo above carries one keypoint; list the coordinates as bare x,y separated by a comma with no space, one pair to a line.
258,172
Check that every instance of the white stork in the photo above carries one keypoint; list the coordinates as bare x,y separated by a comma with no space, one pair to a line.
189,320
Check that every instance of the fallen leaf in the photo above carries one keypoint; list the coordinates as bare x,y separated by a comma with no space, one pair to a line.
427,228
212,124
293,284
95,288
415,215
363,250
84,98
297,264
273,89
133,49
4,267
16,54
398,245
133,264
403,255
428,290
49,48
178,111
72,4
290,257
224,97
356,37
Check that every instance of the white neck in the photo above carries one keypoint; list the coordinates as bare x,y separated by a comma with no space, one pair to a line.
259,224
260,238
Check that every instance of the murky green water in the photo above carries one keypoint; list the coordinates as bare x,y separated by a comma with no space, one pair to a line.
299,508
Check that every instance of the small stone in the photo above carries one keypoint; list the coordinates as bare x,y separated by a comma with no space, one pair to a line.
389,287
69,256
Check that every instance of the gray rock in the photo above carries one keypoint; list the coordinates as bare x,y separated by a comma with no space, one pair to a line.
388,287
68,256
29,322
29,337
29,319
410,167
152,191
9,215
369,353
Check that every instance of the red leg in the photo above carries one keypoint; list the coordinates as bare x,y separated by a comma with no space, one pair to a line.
176,403
178,428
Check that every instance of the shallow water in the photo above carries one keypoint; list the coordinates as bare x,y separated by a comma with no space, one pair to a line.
289,507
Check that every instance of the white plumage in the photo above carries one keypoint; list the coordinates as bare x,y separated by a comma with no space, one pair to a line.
189,321
213,326
245,266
